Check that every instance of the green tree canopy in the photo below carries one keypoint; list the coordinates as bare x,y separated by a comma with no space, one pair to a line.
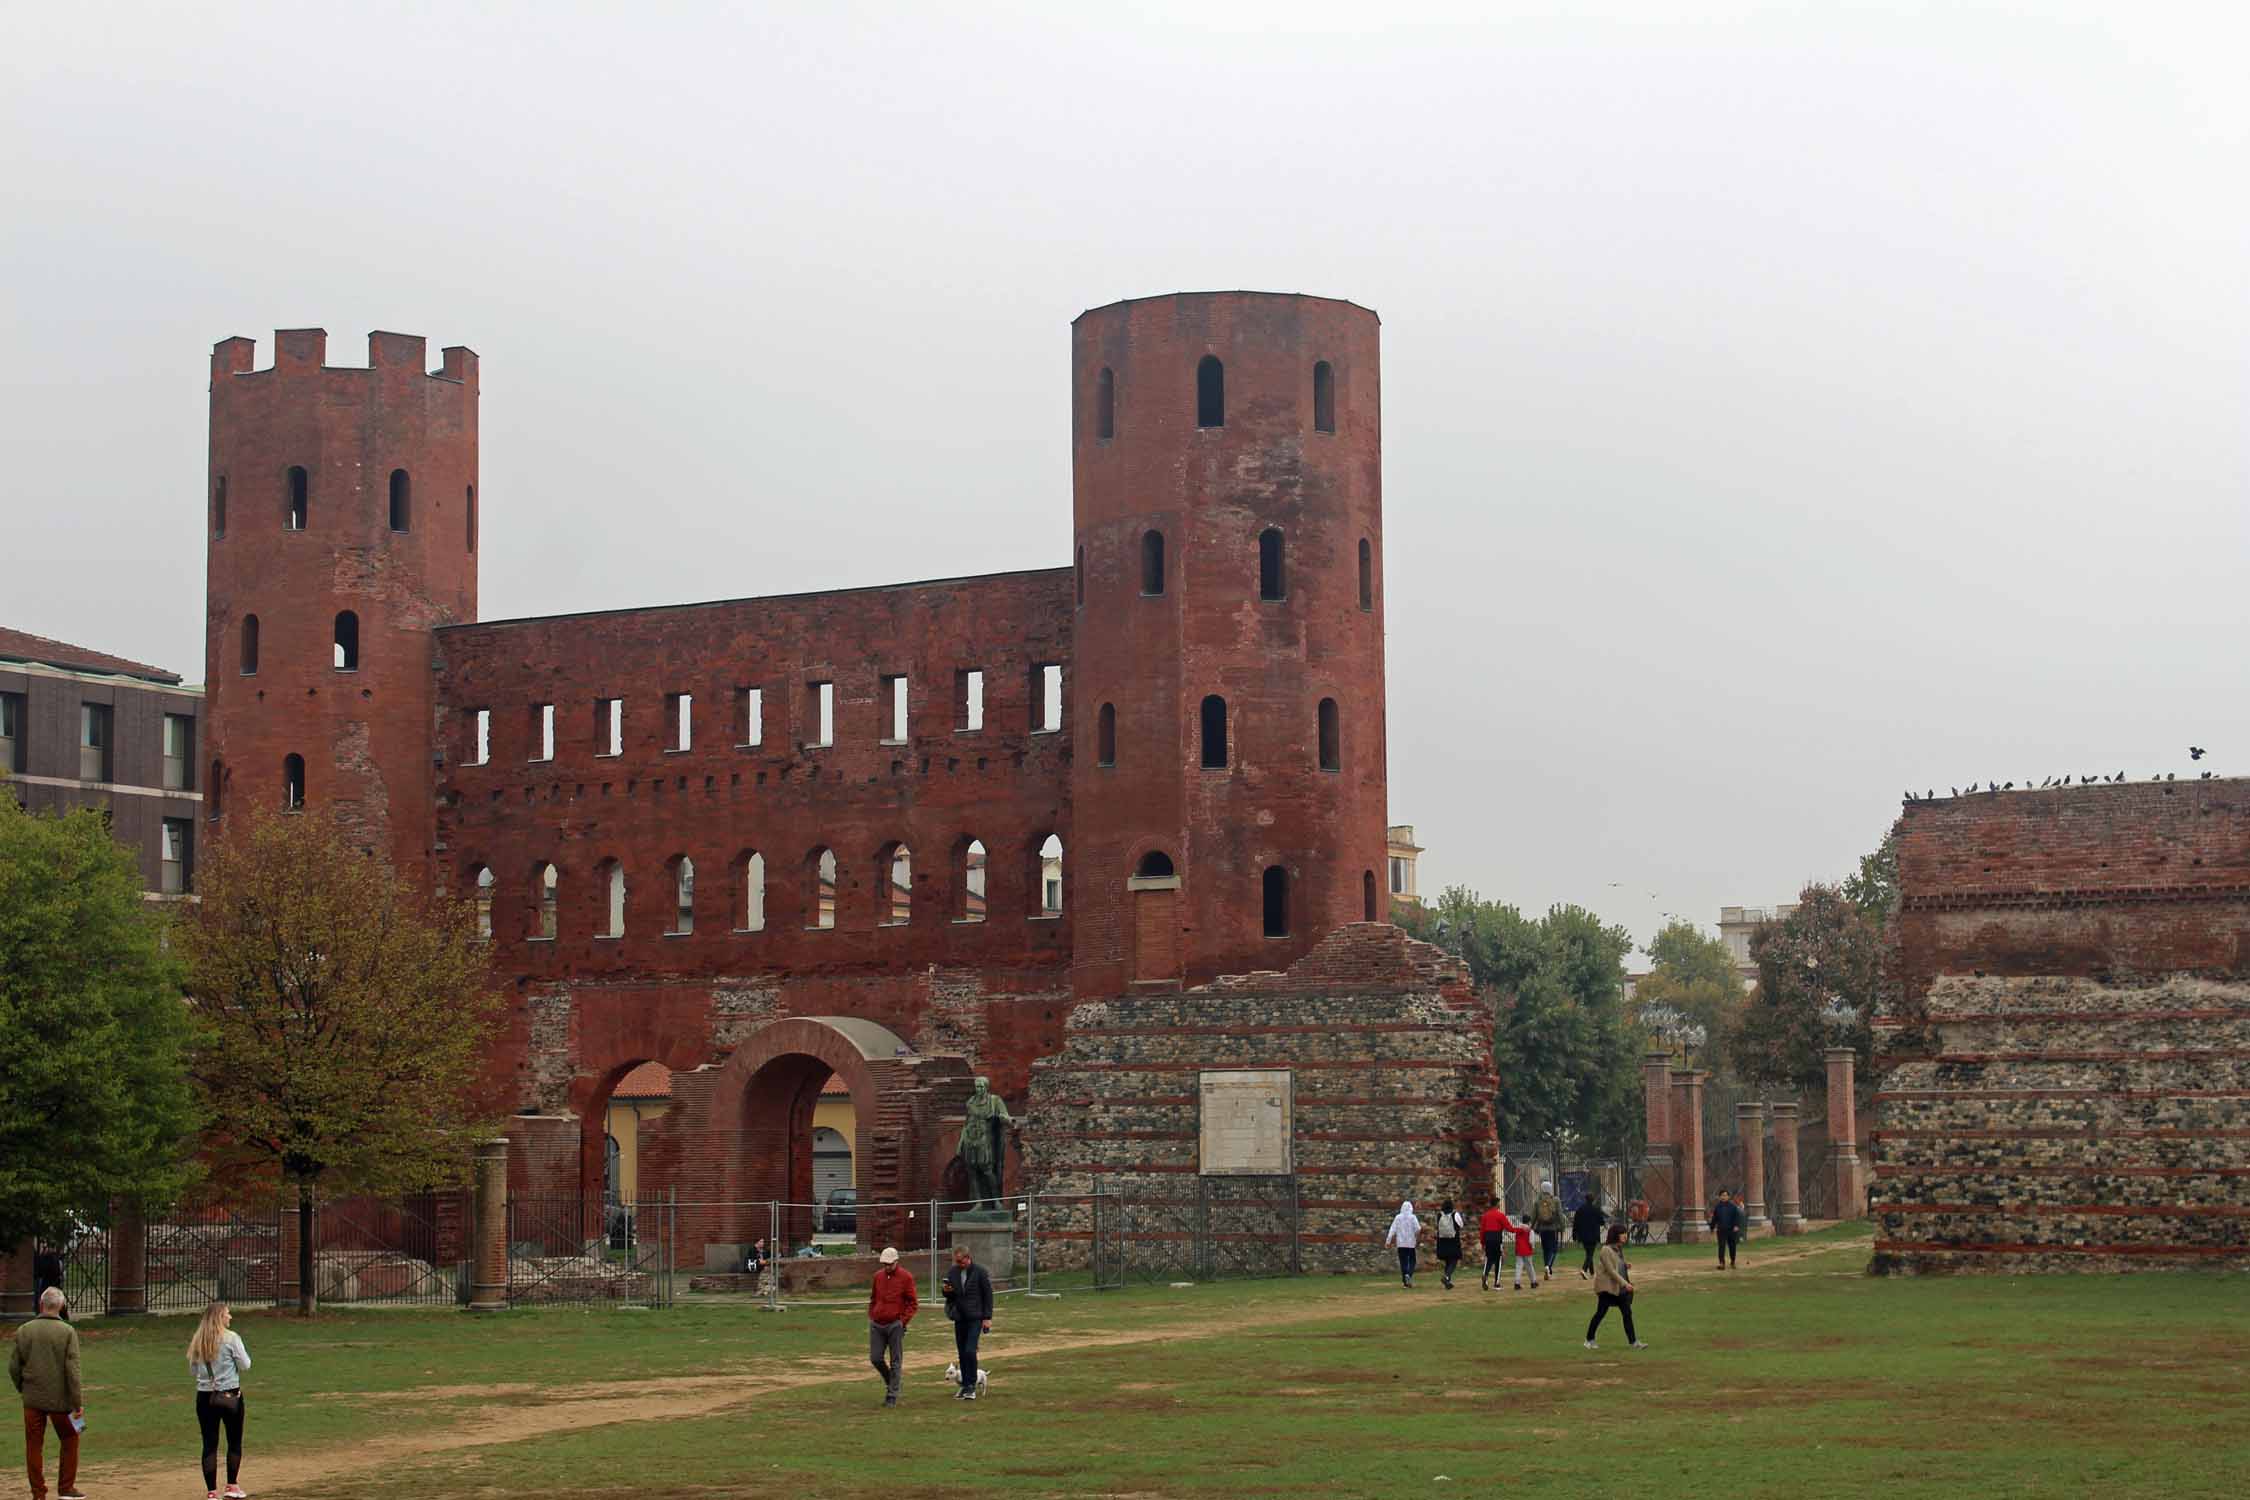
343,1016
93,1101
1820,978
1692,990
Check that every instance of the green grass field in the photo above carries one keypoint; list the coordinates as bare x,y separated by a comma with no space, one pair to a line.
1795,1376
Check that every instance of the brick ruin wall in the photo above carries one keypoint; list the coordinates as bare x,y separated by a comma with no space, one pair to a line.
1391,1052
2065,1077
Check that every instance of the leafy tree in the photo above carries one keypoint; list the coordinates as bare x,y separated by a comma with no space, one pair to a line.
1692,990
1820,977
93,1102
342,1016
1874,889
1567,1056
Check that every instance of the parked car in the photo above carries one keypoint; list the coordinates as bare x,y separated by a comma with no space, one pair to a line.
841,1213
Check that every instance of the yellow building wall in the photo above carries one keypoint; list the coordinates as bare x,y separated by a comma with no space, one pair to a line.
625,1129
837,1115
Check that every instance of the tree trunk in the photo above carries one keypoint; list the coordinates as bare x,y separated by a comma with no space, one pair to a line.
307,1293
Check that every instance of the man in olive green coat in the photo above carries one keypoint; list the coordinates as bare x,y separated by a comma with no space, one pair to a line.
44,1366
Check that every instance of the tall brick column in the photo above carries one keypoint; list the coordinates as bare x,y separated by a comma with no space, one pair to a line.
1688,1225
1656,1089
128,1260
488,1235
1789,1217
1843,1135
1750,1124
16,1284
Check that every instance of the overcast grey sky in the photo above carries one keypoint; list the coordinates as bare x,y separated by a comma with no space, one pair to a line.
1784,405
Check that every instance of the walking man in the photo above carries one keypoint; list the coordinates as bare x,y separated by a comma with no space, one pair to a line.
1586,1227
44,1367
1547,1220
1726,1224
891,1305
968,1302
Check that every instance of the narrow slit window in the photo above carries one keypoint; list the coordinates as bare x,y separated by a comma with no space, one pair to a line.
211,789
1105,739
1272,580
754,892
1105,404
683,896
1367,896
249,645
968,882
292,782
750,715
1323,397
1152,563
892,702
481,749
968,698
219,508
469,511
299,505
542,731
1366,574
822,868
546,883
680,707
1047,878
1046,698
820,715
482,883
402,501
1331,737
14,731
613,899
347,641
177,854
1210,392
609,726
1214,733
1277,901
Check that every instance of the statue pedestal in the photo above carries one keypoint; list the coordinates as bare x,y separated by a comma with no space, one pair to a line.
990,1238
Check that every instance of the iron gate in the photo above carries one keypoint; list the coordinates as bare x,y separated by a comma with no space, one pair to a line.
201,1252
83,1251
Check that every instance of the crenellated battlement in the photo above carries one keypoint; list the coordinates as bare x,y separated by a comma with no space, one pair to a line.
300,351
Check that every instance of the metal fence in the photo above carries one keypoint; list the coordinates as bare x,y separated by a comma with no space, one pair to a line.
211,1250
388,1252
581,1249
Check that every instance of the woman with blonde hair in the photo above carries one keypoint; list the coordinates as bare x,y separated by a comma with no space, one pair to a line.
217,1358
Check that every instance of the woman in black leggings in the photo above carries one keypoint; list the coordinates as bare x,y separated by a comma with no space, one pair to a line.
217,1358
1613,1287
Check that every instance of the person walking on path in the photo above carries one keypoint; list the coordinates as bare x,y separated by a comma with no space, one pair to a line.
1403,1235
44,1366
1613,1287
891,1305
1726,1225
1448,1242
216,1357
1526,1254
1586,1229
1547,1220
968,1302
1493,1227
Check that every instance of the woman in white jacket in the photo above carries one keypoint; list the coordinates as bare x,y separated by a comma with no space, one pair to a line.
1403,1234
217,1358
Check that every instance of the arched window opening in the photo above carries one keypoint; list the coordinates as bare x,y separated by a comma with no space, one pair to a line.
471,509
820,865
751,869
249,645
968,881
1367,896
1210,392
219,508
546,881
402,501
1366,574
1323,397
683,895
300,499
1047,878
1152,563
293,782
612,875
1214,733
1105,405
1078,577
347,641
895,907
1277,901
481,882
1154,865
1272,581
1331,737
1105,747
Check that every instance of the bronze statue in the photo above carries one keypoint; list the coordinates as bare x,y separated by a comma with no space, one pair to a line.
984,1149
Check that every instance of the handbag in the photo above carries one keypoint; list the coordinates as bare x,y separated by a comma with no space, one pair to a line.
227,1401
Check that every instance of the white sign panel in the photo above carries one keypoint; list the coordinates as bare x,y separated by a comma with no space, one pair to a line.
1246,1123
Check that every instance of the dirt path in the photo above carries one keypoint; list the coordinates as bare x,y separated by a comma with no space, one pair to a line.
575,1407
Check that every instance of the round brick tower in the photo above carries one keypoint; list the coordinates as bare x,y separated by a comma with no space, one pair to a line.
1229,802
341,511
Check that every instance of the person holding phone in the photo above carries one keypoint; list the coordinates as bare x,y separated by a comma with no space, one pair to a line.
217,1358
44,1366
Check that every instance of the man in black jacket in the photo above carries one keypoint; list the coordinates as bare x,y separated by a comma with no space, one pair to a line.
1586,1225
968,1302
1726,1223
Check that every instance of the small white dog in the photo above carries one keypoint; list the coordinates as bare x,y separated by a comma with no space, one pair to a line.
984,1376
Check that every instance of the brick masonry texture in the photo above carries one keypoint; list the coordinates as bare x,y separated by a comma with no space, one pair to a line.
1391,1052
2065,1077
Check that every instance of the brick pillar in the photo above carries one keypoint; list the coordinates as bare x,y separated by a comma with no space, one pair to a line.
1843,1135
1656,1089
128,1260
1789,1215
1750,1124
1689,1226
488,1247
16,1284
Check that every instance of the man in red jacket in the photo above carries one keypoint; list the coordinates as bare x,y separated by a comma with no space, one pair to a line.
891,1305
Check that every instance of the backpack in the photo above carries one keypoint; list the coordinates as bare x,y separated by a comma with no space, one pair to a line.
1547,1212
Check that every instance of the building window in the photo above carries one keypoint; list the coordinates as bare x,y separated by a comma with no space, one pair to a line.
1105,405
1272,582
179,753
480,753
1154,865
820,866
820,715
542,731
1366,574
249,645
93,742
1046,697
680,708
1323,397
750,716
1047,878
546,882
1214,733
968,699
1277,901
178,857
470,510
1331,737
611,876
609,726
683,895
1398,876
1210,392
1105,741
219,507
347,641
481,882
753,875
300,499
895,907
11,732
890,702
402,501
293,783
1367,896
1152,563
968,881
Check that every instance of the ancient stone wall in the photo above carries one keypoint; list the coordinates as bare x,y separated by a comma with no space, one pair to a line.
2065,1078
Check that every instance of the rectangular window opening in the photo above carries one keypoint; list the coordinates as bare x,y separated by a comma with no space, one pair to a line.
11,732
968,699
93,742
750,715
1046,698
892,700
179,753
680,708
609,726
178,872
542,731
820,715
480,750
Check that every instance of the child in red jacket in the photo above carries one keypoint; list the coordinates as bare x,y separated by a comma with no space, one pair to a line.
1526,1255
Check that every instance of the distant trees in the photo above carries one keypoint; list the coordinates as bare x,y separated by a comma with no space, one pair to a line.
1822,972
1691,999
